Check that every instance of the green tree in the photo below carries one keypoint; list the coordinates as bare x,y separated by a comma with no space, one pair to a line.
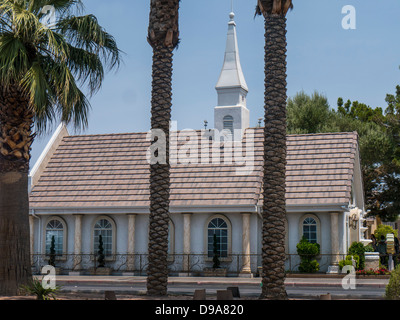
380,153
360,111
377,141
307,114
41,69
383,230
163,36
274,178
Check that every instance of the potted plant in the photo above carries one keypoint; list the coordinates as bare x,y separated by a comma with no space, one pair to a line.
101,258
52,255
216,270
101,269
308,252
216,261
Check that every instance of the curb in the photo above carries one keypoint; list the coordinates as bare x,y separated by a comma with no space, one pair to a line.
212,294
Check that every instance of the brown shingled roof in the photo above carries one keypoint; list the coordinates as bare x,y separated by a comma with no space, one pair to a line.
111,170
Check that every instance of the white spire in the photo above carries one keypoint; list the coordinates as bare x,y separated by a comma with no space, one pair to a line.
231,112
231,76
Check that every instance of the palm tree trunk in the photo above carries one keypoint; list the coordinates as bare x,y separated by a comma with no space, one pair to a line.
274,181
157,270
15,143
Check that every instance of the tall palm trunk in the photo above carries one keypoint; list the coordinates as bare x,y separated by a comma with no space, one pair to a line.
163,36
160,174
15,142
274,181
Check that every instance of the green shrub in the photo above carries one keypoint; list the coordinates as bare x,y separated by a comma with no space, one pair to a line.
358,249
348,261
383,230
369,248
36,288
309,266
307,252
392,291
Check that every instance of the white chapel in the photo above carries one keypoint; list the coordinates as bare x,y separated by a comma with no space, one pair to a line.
84,186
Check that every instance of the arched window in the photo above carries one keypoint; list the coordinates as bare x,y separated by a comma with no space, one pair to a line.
219,228
310,229
228,123
55,228
103,227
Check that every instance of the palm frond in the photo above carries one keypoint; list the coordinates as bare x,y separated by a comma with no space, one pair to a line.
50,63
267,7
85,32
14,58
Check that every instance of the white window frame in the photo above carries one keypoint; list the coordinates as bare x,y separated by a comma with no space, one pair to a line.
229,230
65,233
113,236
318,225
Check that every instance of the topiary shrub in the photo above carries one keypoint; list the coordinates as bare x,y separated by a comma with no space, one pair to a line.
216,261
392,291
52,253
101,258
307,252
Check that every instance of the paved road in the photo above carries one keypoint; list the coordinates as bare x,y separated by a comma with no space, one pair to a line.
301,288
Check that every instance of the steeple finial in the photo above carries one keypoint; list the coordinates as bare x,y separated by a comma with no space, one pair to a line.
231,112
232,17
232,75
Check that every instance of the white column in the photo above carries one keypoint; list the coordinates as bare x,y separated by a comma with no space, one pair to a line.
186,240
32,235
78,242
246,268
131,242
334,267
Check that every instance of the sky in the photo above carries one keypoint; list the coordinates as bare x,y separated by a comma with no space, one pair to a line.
358,64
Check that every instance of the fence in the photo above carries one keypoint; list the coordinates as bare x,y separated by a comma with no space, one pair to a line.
193,264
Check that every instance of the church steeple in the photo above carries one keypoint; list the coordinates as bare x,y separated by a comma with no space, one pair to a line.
231,87
231,113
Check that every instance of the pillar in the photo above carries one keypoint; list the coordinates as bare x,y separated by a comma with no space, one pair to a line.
246,267
334,267
130,263
32,236
186,241
78,242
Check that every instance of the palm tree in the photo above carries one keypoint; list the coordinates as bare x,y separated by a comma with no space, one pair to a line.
163,36
41,68
274,181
